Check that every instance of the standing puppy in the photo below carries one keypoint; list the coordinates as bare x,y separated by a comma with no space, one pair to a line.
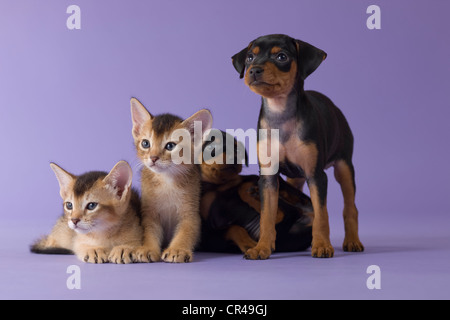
313,135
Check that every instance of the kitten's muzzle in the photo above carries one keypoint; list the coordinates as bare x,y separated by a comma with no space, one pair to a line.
154,159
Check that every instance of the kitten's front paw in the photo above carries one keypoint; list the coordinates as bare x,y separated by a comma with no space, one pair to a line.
122,255
147,255
177,255
97,255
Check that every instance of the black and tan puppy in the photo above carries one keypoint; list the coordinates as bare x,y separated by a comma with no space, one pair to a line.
231,205
313,135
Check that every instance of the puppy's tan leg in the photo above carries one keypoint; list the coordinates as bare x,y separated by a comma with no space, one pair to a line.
321,245
241,238
344,174
269,189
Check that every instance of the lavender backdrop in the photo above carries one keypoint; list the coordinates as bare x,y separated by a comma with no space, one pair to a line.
64,95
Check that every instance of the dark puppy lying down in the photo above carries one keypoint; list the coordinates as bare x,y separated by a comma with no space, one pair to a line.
231,208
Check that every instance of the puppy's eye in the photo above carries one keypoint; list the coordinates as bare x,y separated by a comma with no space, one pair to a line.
250,57
91,206
69,205
282,57
145,144
170,146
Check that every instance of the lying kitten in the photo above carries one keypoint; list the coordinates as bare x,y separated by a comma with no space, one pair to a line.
101,221
170,190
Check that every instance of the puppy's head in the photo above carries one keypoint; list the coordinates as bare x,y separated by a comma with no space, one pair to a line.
273,64
221,164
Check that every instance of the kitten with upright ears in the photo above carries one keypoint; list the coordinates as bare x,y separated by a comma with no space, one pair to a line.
101,221
170,189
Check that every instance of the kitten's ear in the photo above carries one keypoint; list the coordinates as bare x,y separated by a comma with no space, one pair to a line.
139,115
65,180
120,179
204,117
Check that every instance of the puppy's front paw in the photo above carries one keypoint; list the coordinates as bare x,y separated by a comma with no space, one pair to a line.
175,255
147,255
258,253
353,245
322,251
97,255
122,255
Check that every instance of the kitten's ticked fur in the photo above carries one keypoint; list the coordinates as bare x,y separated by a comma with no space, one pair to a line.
101,221
170,191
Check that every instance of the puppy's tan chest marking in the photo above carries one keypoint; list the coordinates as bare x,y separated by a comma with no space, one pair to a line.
291,148
299,153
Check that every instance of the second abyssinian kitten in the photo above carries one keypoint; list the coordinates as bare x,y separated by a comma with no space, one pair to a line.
170,190
101,221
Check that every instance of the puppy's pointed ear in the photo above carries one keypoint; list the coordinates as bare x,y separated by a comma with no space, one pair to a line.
65,180
239,60
309,58
119,179
139,115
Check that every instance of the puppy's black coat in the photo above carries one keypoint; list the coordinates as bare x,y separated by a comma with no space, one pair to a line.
313,135
231,209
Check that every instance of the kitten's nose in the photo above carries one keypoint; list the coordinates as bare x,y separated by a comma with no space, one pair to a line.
154,159
75,221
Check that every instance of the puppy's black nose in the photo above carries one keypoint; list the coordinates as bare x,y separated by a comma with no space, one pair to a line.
256,72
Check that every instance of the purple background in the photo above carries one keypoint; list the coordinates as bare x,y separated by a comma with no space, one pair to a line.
64,97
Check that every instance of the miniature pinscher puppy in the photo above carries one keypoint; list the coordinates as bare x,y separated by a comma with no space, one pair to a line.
231,205
313,135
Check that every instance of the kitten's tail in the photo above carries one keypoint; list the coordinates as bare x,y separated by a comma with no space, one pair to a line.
41,247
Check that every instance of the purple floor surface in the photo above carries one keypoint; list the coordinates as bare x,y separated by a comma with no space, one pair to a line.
414,264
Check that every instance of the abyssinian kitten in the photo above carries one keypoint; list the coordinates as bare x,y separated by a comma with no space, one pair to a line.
101,221
170,190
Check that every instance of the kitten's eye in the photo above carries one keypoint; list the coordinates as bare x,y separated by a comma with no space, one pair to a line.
145,144
282,57
69,205
170,146
250,57
91,206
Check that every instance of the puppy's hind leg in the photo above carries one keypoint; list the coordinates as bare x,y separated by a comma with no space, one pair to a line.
241,238
345,175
